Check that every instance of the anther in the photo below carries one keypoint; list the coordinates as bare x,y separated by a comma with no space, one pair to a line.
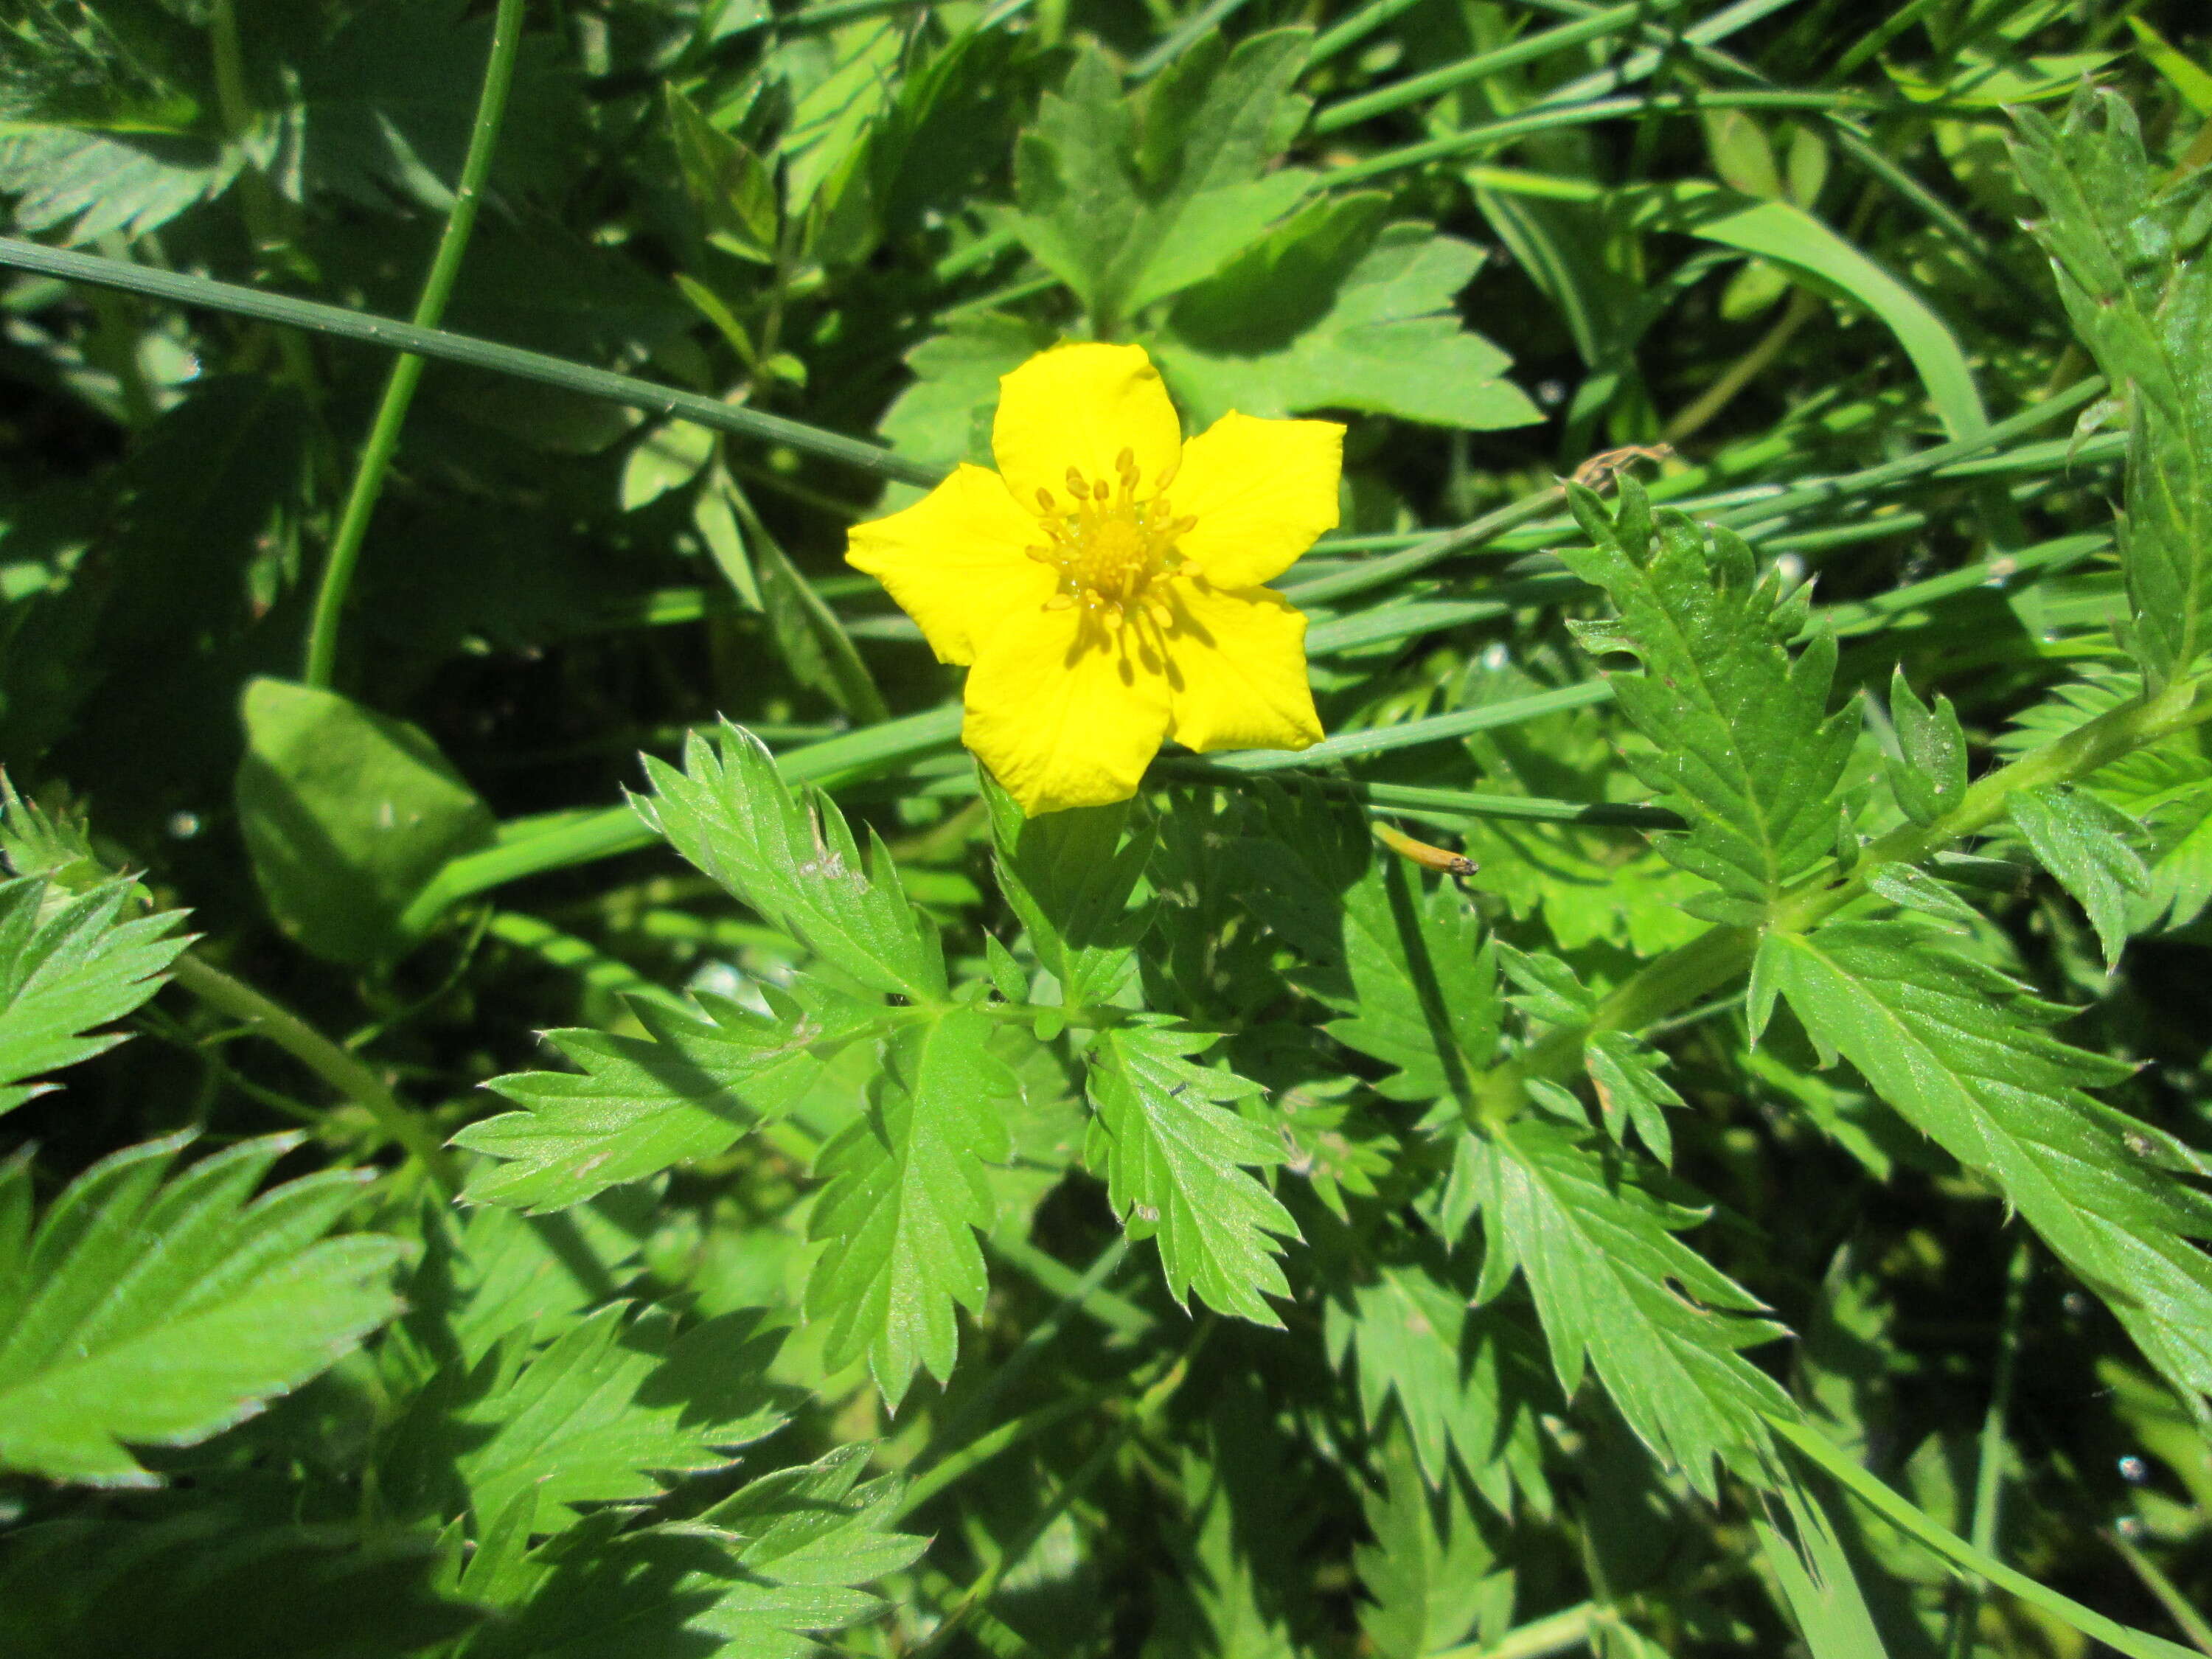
1100,490
1168,472
1059,602
1044,500
1125,464
1041,555
1076,485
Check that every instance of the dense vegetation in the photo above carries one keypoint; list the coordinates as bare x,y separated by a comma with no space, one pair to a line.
805,1204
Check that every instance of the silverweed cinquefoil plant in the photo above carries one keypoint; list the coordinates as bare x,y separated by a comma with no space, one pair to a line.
1104,586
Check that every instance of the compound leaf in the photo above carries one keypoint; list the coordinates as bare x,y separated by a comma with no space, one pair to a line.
2082,840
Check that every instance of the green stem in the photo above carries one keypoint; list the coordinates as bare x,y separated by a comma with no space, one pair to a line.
1713,958
1555,1632
341,1070
407,368
1990,1463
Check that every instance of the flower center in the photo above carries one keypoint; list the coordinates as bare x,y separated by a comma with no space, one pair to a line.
1110,549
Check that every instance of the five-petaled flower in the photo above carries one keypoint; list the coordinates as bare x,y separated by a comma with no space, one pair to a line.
1104,585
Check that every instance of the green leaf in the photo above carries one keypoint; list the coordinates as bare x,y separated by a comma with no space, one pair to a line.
906,1194
1433,1576
1743,745
810,638
161,1313
688,1089
944,416
1177,1167
2165,787
2124,248
1407,968
346,814
667,458
1930,778
1956,1048
619,1400
757,1576
1817,1585
90,185
792,859
1790,236
2082,840
1625,1071
218,1582
66,965
1916,889
1068,876
732,191
1338,310
489,1271
1467,1382
1126,217
1602,1261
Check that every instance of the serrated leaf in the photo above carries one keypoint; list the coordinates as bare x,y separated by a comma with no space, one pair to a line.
1465,1382
2166,787
489,1271
1544,987
346,814
218,1580
1417,983
809,637
1177,1167
1931,777
757,1576
1433,1576
1745,746
688,1088
1068,877
1956,1048
160,1313
67,965
1625,1071
1602,1259
793,860
1916,890
90,185
618,1399
906,1194
1338,310
2083,841
1128,215
2122,241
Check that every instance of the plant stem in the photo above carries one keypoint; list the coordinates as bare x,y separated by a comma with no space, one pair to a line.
1555,1632
1990,1459
341,1070
1713,958
407,368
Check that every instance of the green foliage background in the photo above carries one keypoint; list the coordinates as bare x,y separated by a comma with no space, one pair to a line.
804,1205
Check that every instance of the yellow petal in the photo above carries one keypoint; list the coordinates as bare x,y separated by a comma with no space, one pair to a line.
956,561
1261,491
1237,664
1081,406
1066,716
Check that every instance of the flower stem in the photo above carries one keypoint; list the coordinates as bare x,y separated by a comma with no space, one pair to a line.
341,1070
407,368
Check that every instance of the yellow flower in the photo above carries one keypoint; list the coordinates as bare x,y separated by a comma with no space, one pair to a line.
1104,584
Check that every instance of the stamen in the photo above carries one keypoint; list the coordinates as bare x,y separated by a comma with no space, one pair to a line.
1168,472
1044,500
1125,464
1076,485
1100,490
1059,602
1041,555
